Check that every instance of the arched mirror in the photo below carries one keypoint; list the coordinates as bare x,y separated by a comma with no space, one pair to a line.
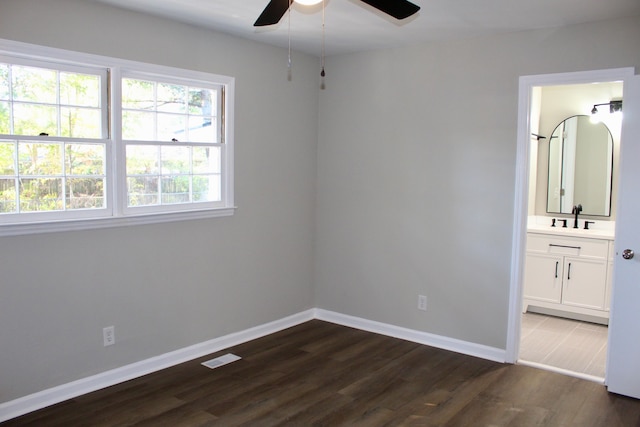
580,167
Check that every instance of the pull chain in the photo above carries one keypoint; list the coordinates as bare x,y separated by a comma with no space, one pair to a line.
289,74
322,73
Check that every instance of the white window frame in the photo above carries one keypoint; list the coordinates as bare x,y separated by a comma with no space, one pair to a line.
160,208
117,214
75,214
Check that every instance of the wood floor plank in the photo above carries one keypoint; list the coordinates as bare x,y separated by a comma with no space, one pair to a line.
181,415
320,408
322,374
461,395
358,413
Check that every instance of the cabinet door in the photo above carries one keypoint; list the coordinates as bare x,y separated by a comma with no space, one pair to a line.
543,277
585,282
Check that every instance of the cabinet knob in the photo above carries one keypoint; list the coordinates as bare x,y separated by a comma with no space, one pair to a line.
627,254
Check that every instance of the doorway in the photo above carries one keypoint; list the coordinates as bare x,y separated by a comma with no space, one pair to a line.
574,159
528,204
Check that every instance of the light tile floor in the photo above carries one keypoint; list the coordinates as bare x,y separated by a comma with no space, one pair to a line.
564,343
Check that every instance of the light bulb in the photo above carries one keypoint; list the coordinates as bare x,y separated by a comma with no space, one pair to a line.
308,2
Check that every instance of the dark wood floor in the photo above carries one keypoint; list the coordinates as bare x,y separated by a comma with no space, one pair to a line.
323,374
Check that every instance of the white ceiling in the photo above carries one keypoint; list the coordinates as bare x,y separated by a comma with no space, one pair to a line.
351,25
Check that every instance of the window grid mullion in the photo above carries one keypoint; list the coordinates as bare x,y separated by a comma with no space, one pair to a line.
64,174
58,109
116,180
160,175
16,171
187,113
17,193
155,111
11,114
191,171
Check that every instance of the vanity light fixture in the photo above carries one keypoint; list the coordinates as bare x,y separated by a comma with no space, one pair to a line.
308,2
614,107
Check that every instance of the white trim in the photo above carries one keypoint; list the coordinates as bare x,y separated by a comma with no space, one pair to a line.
520,208
32,51
425,338
42,399
110,222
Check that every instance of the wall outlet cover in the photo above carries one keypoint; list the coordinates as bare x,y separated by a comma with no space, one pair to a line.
422,302
109,336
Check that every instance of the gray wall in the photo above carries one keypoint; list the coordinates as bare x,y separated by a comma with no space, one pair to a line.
167,286
416,167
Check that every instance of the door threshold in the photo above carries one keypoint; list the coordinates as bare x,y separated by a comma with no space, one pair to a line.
581,375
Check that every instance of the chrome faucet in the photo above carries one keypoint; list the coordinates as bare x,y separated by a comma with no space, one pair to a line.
576,211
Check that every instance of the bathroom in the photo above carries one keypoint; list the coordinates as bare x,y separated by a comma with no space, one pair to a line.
570,229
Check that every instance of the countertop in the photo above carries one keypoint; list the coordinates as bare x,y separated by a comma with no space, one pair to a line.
594,233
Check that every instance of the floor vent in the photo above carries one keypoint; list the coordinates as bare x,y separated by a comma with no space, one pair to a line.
221,361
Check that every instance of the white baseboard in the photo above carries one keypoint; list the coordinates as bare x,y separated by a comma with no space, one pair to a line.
42,399
438,341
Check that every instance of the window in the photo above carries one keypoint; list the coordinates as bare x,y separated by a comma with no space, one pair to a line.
182,163
89,141
54,157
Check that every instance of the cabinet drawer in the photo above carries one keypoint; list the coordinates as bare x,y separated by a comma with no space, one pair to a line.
573,246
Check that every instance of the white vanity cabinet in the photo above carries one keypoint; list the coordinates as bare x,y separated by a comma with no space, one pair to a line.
569,274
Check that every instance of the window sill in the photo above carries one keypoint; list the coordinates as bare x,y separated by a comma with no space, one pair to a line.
110,222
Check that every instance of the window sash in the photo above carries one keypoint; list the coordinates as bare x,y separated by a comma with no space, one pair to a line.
158,174
172,80
63,173
101,72
25,207
157,201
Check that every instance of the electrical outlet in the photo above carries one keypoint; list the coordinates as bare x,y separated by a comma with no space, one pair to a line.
109,335
422,302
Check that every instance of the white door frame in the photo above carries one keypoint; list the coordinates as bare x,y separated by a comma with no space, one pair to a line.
520,209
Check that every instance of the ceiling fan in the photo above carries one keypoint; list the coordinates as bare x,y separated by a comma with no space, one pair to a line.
275,10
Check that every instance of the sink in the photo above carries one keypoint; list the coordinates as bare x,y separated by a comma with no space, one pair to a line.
599,230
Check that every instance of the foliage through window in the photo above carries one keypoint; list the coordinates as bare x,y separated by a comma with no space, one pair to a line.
104,141
49,116
185,165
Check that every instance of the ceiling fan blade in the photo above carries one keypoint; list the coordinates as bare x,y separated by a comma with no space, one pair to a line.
399,9
272,14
